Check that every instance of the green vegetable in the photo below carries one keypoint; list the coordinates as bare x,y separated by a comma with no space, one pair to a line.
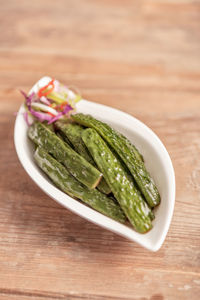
64,138
50,126
76,164
131,147
73,132
130,200
126,153
68,184
151,215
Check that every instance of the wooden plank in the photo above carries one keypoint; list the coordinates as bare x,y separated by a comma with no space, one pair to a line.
138,56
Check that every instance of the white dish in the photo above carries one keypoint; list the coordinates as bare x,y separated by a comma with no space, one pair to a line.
156,157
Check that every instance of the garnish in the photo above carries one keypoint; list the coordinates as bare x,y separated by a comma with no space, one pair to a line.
47,89
50,103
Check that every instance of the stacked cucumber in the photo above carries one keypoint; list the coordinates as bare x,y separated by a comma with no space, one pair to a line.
90,161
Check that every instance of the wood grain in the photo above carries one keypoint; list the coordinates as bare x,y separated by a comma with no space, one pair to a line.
141,57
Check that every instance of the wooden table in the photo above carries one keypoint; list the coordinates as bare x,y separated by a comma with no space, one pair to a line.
142,57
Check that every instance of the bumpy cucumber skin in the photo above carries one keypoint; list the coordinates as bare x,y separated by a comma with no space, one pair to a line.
76,164
73,132
50,126
123,149
64,138
131,147
68,184
133,205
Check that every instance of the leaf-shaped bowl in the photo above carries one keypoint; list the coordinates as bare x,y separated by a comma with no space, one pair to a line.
156,158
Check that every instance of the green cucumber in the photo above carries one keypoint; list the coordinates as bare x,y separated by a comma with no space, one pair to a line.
124,149
50,126
76,164
68,184
72,132
130,200
64,138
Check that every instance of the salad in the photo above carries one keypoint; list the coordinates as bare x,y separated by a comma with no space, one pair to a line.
89,160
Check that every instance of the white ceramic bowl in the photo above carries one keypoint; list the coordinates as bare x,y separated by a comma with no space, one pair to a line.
156,157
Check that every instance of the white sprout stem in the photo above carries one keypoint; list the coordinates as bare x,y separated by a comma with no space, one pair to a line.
44,107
